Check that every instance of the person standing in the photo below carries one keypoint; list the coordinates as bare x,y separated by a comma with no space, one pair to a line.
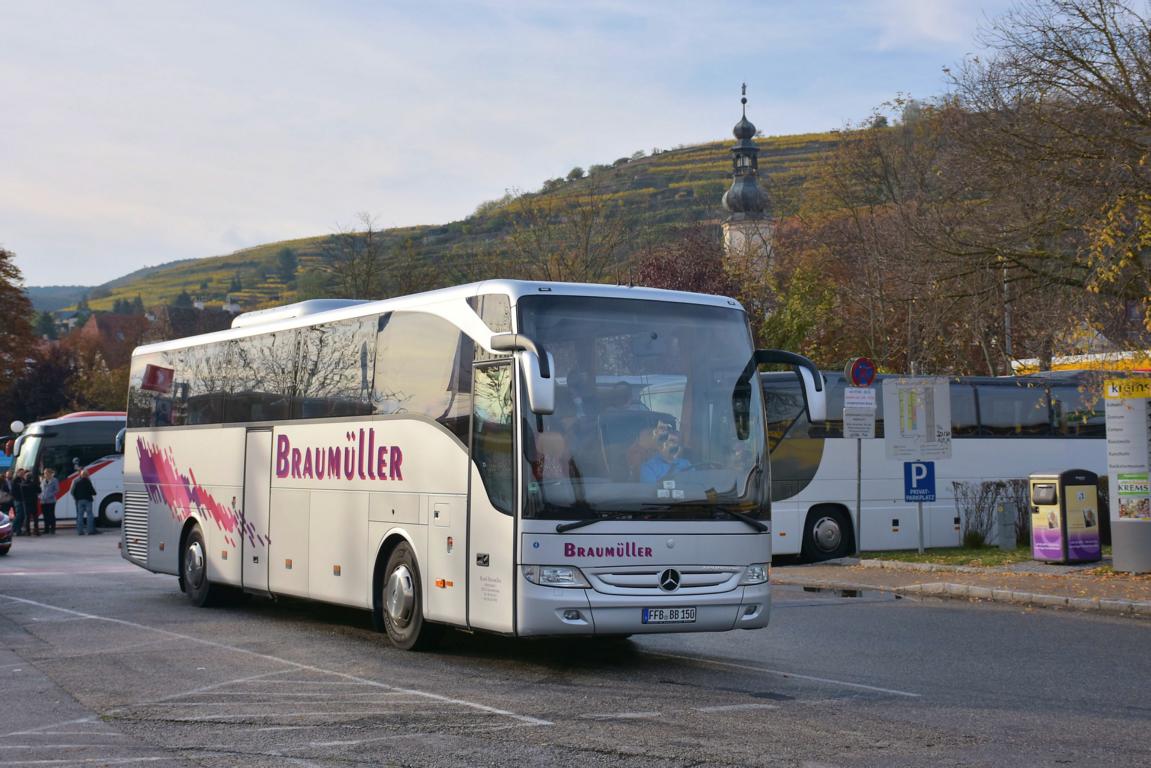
19,524
6,500
30,495
83,492
48,492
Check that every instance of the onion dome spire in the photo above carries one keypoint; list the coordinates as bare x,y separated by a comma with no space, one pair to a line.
744,196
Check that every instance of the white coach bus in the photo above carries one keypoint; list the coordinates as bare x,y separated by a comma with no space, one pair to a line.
522,458
86,439
1003,429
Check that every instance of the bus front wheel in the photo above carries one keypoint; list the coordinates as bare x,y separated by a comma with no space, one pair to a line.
827,534
112,510
194,569
401,601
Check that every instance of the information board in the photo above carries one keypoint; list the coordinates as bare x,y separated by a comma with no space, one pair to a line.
917,418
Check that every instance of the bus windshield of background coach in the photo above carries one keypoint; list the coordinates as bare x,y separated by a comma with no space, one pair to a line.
644,421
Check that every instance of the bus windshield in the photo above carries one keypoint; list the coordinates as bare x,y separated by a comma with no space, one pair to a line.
644,423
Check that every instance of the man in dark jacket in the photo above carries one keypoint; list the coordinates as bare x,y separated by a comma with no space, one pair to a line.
83,492
29,489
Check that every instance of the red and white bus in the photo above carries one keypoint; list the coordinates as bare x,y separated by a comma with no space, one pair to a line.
85,439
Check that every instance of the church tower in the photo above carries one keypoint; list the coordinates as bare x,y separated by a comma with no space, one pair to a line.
747,229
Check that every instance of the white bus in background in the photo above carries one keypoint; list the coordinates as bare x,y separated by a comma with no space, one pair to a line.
425,458
1003,429
86,439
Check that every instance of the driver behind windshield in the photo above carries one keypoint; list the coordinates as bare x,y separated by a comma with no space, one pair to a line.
667,460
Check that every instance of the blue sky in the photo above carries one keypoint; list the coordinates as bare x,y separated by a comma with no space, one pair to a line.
136,132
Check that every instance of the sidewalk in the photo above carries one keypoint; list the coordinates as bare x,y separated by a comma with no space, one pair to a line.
1075,587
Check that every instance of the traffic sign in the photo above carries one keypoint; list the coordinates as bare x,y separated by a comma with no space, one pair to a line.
918,481
860,371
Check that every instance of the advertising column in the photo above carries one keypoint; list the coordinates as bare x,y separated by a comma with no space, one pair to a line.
1128,468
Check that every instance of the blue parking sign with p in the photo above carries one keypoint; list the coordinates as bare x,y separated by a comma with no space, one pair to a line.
919,481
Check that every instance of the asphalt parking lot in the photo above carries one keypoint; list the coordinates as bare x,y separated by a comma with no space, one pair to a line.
111,666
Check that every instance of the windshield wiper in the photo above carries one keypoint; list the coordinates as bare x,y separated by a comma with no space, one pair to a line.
758,525
564,527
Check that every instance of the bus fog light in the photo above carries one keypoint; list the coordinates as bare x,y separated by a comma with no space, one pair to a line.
556,576
572,615
756,573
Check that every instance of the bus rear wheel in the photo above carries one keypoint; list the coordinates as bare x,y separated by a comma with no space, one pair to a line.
401,602
194,570
826,534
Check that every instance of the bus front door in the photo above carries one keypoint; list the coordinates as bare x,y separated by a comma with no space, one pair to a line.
253,521
492,499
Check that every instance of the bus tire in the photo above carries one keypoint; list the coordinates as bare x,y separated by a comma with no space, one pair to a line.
827,534
401,600
194,569
111,510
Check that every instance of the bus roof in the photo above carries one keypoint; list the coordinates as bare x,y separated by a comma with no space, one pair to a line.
309,313
79,416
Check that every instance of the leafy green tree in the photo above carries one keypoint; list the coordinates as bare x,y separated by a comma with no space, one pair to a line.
575,174
287,262
315,284
46,326
183,299
137,307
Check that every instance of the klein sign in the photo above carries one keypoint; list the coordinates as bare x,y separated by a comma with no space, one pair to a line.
918,481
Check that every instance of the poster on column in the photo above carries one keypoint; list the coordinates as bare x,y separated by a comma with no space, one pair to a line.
1128,464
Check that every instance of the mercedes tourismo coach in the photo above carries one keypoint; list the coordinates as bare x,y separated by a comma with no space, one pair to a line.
517,457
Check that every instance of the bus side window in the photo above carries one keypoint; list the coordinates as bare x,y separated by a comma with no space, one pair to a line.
1077,411
964,416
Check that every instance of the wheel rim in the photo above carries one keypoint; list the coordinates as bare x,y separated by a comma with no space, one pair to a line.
827,534
194,565
400,596
114,512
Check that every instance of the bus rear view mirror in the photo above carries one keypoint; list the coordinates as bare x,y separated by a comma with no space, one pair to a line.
538,365
814,391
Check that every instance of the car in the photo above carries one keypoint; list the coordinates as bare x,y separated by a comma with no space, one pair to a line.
5,533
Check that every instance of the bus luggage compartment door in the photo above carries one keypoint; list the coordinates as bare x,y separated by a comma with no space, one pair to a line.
253,531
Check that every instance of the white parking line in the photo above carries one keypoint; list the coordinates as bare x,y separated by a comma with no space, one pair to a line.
298,665
782,673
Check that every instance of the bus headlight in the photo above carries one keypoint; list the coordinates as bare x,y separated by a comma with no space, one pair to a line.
556,576
756,573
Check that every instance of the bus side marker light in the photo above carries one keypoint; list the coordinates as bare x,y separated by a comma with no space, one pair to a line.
335,570
288,563
161,546
223,554
444,583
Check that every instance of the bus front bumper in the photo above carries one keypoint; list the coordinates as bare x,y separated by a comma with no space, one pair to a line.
554,611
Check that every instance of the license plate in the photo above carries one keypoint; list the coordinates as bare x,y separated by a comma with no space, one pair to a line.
669,615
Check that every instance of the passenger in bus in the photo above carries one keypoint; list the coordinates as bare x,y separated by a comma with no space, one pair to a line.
622,398
580,420
48,492
667,460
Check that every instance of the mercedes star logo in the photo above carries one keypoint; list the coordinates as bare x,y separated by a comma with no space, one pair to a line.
669,580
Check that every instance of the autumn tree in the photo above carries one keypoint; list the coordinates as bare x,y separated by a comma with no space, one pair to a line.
578,236
1054,125
17,339
692,261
